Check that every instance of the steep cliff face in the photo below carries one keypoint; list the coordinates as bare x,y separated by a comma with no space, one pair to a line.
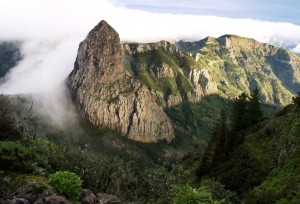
202,83
108,96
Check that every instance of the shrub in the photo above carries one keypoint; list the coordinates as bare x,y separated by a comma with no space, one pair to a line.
66,183
15,157
188,195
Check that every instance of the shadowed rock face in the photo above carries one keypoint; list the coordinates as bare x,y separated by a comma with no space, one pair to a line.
108,96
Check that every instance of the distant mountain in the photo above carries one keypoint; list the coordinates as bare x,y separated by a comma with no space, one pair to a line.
240,64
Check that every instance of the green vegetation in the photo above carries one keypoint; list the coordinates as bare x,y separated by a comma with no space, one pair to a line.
187,194
209,192
12,181
219,146
15,156
130,180
240,64
263,166
8,123
134,177
254,111
145,67
66,183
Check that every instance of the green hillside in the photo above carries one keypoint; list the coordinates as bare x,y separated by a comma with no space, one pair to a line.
240,64
264,168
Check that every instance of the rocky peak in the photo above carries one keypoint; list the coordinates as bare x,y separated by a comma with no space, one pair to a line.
209,39
110,98
103,49
238,42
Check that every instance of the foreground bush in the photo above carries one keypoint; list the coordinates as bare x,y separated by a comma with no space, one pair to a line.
15,157
209,192
66,183
189,195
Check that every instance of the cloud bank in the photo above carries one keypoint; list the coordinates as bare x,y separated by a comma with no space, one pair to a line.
52,30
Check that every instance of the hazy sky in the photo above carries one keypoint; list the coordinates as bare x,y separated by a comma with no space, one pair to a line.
271,10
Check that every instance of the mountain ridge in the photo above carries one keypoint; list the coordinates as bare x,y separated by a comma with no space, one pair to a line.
170,75
177,78
242,61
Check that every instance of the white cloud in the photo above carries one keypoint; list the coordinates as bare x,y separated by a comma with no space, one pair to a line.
52,30
297,49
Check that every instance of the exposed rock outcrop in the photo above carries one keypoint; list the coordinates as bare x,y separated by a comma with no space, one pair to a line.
164,71
19,190
88,197
108,96
202,83
134,48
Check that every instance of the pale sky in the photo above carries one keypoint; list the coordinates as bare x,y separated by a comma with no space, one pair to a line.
270,10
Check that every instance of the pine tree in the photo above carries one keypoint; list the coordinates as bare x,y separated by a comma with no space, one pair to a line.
254,112
217,148
238,121
238,115
222,132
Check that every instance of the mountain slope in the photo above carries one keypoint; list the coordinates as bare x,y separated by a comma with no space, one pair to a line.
240,64
277,146
265,168
166,71
185,76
